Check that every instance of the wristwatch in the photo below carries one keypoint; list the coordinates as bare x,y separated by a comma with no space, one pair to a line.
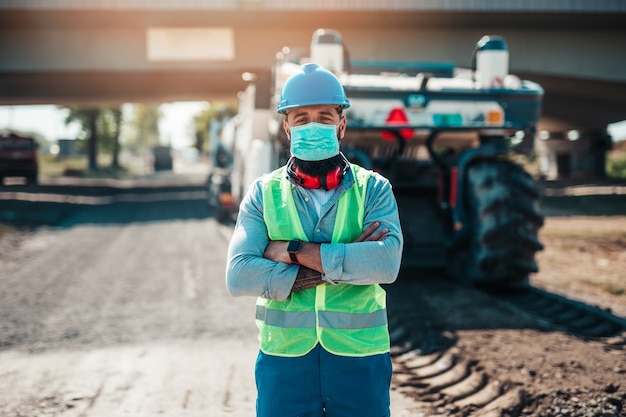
293,248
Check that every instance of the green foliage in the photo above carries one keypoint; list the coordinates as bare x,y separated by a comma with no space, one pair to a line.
51,166
144,127
101,126
202,121
616,164
82,116
109,125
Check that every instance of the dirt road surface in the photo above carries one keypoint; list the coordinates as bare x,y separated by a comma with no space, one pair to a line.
115,305
122,311
129,319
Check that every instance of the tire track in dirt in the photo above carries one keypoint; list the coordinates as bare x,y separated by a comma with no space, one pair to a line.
426,320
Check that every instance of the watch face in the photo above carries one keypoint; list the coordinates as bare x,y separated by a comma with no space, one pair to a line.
294,246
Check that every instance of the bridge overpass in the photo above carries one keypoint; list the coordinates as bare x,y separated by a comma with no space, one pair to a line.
106,51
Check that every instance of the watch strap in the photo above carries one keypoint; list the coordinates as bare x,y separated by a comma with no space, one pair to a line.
293,248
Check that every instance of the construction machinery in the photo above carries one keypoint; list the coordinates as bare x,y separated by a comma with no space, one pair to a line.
444,136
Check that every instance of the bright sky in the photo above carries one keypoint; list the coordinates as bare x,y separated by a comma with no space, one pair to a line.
176,125
46,120
49,121
618,130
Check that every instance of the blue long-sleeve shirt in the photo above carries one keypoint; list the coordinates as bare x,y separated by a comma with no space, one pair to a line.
248,273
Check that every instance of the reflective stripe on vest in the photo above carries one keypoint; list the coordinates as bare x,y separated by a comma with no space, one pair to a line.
330,319
349,320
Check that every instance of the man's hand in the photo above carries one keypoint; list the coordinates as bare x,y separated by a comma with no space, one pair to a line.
370,234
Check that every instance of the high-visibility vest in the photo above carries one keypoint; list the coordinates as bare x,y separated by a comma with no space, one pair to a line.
347,320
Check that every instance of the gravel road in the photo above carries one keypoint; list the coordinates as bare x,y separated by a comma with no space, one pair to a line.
128,318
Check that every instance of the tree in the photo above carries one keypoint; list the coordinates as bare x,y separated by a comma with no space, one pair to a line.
202,121
102,128
145,126
117,120
110,125
87,118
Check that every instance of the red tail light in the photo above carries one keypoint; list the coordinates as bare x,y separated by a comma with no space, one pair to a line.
397,117
454,178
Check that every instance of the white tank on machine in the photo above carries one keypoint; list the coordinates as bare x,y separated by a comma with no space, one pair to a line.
492,62
327,50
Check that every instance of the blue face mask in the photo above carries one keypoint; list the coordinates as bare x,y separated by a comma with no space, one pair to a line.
314,141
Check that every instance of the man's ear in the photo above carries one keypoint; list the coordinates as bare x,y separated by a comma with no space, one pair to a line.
342,126
286,129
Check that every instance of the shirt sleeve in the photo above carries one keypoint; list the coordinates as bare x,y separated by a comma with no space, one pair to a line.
248,273
362,263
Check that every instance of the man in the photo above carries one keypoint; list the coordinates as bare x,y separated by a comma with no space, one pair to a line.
313,240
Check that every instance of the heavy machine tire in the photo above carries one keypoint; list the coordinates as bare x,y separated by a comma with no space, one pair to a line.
504,217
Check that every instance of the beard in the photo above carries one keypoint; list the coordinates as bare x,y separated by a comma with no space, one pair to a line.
319,168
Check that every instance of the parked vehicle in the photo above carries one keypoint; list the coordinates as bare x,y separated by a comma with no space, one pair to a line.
19,158
163,159
442,135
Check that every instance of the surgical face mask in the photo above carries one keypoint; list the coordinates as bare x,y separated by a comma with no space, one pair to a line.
314,141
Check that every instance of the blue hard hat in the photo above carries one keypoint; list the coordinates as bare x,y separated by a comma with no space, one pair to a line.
310,86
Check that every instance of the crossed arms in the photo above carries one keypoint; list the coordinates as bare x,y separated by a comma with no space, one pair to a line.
258,267
311,269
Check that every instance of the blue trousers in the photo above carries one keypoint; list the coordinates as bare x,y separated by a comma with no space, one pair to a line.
321,384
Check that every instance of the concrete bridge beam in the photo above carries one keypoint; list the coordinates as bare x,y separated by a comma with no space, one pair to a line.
101,56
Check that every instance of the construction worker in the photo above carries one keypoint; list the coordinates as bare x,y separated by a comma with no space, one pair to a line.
313,241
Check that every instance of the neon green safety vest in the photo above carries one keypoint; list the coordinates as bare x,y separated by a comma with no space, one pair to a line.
348,320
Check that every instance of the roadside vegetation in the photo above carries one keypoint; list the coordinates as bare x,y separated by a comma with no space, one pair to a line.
616,161
117,143
51,166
